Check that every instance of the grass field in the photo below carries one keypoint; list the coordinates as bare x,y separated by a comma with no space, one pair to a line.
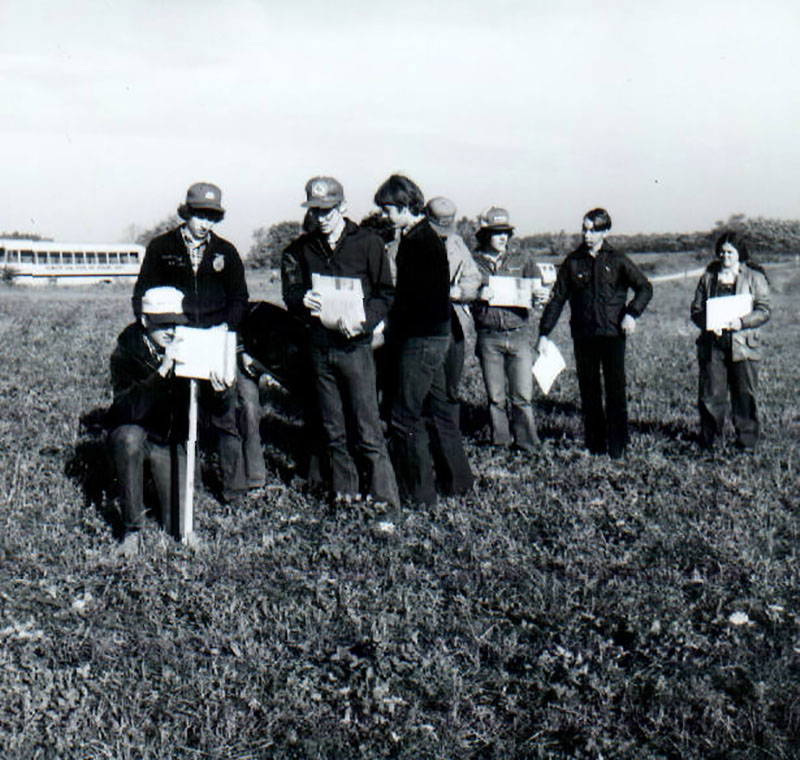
572,607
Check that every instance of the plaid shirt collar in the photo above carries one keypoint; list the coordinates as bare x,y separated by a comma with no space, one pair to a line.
195,248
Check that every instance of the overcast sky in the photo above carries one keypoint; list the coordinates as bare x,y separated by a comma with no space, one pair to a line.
670,113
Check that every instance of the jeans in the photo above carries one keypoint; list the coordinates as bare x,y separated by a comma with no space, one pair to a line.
453,472
604,429
348,403
506,357
719,374
421,385
249,422
131,451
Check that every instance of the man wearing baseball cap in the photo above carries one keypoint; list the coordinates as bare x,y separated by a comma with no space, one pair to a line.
504,343
344,368
148,419
209,272
465,279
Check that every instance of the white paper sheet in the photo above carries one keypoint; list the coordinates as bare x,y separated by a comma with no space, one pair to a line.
203,350
721,310
510,291
548,365
341,297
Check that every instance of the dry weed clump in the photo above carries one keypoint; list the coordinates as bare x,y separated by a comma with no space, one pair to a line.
570,607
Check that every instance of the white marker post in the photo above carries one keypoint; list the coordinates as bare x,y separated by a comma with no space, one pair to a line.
186,517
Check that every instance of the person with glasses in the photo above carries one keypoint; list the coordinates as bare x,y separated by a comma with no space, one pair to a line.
208,271
341,351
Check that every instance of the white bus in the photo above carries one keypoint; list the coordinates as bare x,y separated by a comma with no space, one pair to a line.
35,262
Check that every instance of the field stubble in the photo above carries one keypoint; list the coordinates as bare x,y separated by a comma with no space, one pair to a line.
571,607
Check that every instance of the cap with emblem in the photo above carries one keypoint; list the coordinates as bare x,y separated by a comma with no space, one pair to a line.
164,305
441,213
204,195
495,219
323,192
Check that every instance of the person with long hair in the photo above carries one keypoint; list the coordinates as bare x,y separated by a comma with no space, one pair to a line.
728,356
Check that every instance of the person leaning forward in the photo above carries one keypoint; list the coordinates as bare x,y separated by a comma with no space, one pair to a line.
209,272
595,279
148,420
344,368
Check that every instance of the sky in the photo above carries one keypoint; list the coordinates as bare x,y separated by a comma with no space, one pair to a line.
672,114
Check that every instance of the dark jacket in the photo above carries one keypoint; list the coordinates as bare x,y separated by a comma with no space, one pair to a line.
597,291
358,253
216,294
422,300
142,397
745,343
509,264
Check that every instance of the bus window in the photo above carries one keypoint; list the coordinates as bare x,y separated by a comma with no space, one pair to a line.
26,257
124,257
102,258
90,258
78,258
113,258
66,258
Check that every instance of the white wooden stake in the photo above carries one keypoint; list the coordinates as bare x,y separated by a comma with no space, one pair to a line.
185,518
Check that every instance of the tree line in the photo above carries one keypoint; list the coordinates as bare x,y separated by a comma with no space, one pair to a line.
765,235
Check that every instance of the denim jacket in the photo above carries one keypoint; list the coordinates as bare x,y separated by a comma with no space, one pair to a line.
509,264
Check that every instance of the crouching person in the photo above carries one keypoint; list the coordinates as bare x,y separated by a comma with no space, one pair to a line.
148,420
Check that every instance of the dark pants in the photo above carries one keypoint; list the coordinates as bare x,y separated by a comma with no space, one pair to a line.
131,451
604,429
225,428
347,399
249,423
452,468
719,375
421,385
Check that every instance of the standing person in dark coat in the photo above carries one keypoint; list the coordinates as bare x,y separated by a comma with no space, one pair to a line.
420,329
148,420
341,355
728,359
208,271
595,279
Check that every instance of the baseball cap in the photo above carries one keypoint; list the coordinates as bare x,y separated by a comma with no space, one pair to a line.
441,213
164,305
323,192
204,195
495,219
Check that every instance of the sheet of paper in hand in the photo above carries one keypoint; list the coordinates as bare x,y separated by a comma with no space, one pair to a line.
721,310
341,297
203,350
510,291
548,365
